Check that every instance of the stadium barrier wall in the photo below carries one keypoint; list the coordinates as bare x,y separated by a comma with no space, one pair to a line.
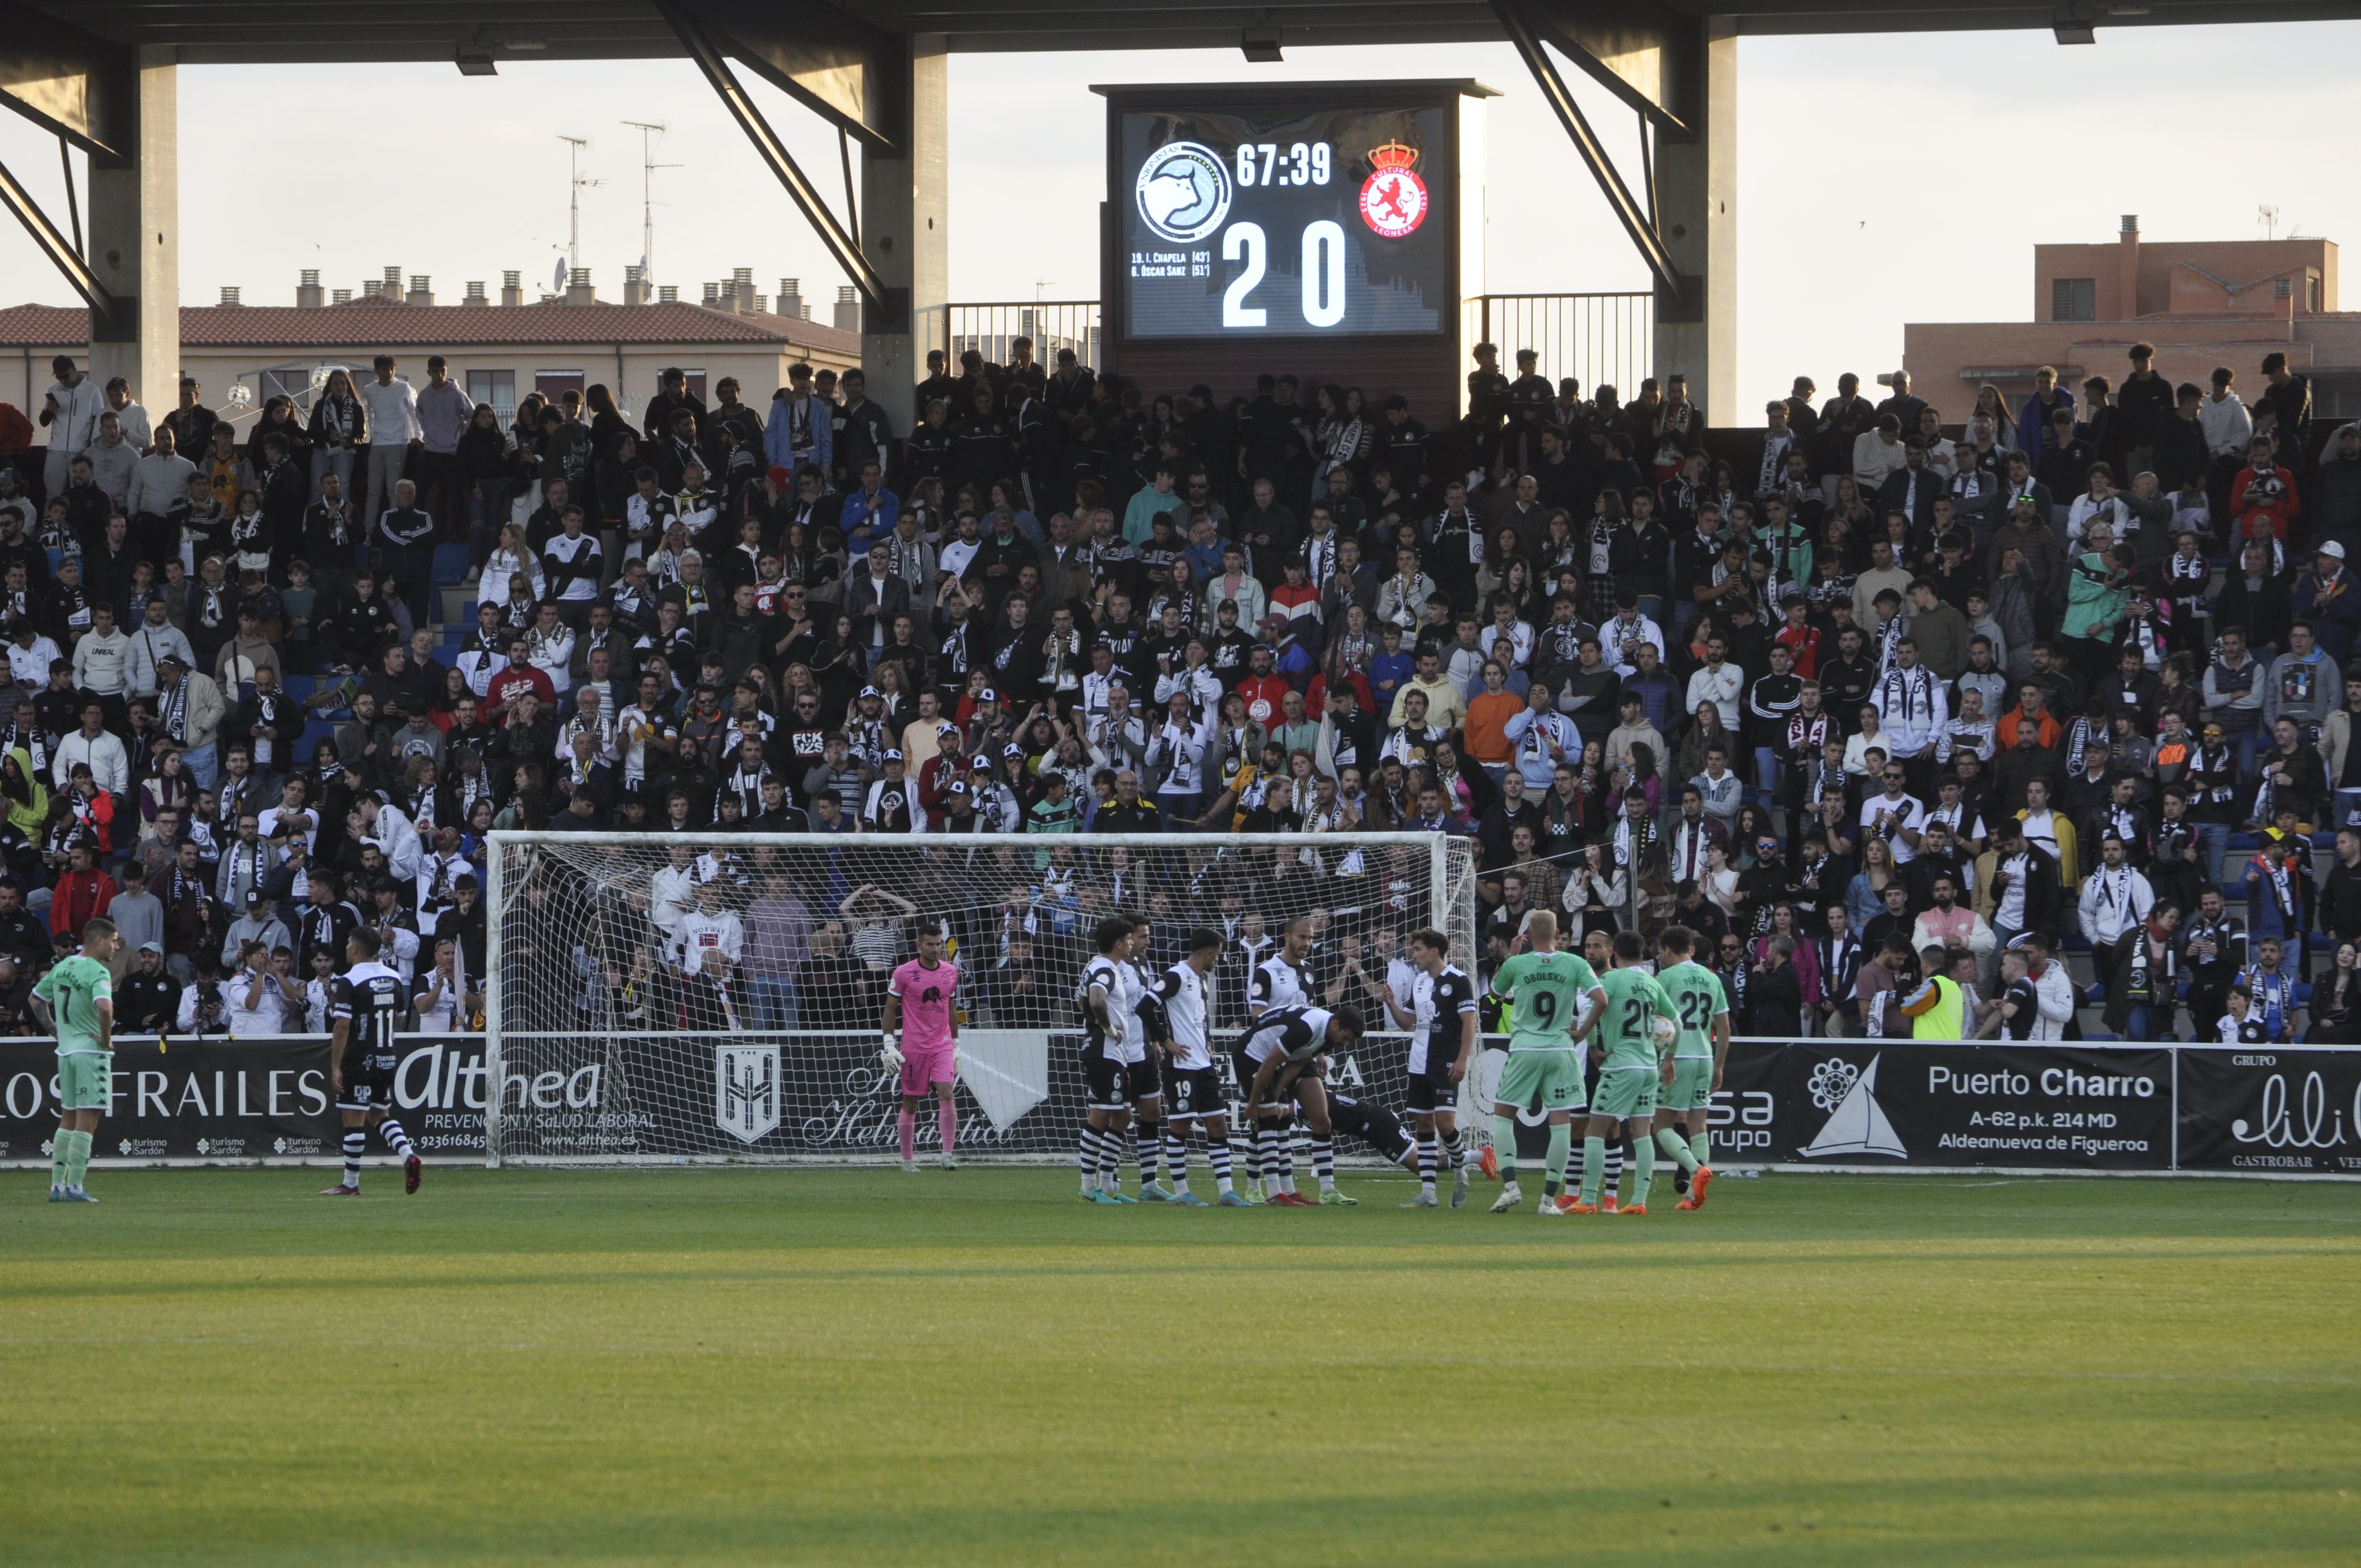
1815,1105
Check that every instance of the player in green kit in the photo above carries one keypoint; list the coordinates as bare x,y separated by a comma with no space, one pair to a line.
1637,1026
1546,988
1702,1010
75,1002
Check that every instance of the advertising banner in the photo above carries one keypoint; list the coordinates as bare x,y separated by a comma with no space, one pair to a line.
238,1099
1869,1103
2270,1111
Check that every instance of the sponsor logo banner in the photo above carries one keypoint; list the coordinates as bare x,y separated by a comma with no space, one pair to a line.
223,1099
2261,1110
1902,1103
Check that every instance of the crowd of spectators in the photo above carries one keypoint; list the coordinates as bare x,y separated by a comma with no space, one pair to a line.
1881,687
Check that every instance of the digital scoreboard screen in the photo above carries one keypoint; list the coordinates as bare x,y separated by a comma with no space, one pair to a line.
1240,222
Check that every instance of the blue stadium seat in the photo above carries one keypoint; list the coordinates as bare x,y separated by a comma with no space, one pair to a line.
451,563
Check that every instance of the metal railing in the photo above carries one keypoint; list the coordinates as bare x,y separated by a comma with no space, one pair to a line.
1594,338
1052,324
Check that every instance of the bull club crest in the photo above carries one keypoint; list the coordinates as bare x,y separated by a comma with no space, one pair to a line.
1393,198
746,1091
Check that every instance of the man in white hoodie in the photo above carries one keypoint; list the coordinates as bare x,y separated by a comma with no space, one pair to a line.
155,639
100,661
393,410
112,460
70,412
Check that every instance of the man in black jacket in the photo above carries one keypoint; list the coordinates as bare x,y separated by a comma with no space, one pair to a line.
1774,994
2339,905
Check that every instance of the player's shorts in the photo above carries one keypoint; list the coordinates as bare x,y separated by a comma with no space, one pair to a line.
1194,1094
925,1068
1626,1091
367,1091
1432,1091
1109,1081
1692,1087
1142,1079
1551,1077
86,1081
1247,1067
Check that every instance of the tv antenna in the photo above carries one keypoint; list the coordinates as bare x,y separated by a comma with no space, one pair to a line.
574,186
648,167
2268,216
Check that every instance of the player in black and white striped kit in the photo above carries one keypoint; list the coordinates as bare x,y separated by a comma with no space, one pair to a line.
1115,1059
1282,979
367,1004
1278,1065
1442,1018
1176,1012
1147,1087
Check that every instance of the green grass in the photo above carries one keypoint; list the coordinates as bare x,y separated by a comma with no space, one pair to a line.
863,1367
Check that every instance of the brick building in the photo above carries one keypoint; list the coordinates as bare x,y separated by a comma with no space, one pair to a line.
2202,304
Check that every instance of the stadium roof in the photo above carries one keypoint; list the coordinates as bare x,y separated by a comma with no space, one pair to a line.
302,30
377,326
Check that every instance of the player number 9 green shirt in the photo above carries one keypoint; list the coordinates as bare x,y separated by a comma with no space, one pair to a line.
1546,990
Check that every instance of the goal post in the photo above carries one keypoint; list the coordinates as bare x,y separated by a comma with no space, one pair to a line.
668,998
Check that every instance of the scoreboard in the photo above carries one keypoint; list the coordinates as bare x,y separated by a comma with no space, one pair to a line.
1286,228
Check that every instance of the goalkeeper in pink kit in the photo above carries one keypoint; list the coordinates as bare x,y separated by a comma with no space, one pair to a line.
918,1003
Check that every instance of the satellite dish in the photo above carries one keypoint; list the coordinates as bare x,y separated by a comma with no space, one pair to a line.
557,277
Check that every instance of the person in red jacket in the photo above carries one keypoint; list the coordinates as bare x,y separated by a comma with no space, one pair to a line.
2264,494
82,895
1263,683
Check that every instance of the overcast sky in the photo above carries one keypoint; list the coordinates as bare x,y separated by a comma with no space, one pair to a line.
1881,180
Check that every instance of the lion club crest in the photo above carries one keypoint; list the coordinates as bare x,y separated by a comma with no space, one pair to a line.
1393,198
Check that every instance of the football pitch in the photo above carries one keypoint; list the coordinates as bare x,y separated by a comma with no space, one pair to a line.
864,1367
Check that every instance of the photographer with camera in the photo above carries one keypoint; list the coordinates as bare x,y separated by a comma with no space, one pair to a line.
204,1006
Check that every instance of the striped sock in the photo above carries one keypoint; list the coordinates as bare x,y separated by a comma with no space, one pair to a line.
1176,1158
1287,1159
1324,1163
1111,1159
395,1139
1614,1177
1217,1153
1089,1156
1456,1150
355,1140
1270,1138
1253,1132
1427,1151
1149,1139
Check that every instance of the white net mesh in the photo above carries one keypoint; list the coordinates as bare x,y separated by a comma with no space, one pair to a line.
719,995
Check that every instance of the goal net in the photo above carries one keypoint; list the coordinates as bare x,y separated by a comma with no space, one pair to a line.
661,998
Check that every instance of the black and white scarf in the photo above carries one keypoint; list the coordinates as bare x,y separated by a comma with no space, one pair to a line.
1633,841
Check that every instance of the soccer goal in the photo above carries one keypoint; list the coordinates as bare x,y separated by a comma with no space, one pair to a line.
660,998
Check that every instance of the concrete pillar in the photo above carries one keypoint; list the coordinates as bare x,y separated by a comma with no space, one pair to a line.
135,246
1696,195
905,229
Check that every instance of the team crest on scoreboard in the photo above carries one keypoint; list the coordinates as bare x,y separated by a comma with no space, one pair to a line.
1393,198
1183,192
746,1091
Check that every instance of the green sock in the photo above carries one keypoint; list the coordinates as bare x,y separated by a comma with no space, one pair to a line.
58,1146
77,1158
1561,1144
1673,1145
1594,1166
1643,1161
1504,1145
1697,1144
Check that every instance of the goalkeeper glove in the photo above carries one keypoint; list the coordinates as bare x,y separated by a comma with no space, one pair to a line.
891,1057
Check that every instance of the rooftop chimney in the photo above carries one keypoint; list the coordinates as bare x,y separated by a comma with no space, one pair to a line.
848,309
341,296
421,290
391,288
667,294
308,295
791,298
229,294
636,286
713,296
512,287
2127,269
578,290
476,295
